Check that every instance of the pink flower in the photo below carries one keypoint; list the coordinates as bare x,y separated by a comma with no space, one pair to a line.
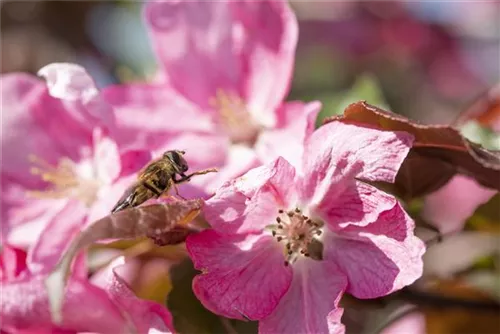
287,243
449,207
108,308
226,68
56,147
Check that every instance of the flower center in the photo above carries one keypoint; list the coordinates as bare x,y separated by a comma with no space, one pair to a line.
67,179
300,235
234,117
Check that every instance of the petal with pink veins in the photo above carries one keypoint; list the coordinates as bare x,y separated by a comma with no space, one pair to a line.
294,133
379,258
377,154
311,303
358,204
250,210
242,276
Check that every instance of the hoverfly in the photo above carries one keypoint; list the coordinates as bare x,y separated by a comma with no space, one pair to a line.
157,178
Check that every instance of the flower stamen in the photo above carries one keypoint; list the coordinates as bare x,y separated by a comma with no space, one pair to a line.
234,117
299,232
64,179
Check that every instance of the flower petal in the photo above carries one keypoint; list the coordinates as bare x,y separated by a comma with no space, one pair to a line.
132,161
311,303
55,238
24,305
267,40
359,204
269,145
377,154
234,46
203,58
68,81
106,157
449,207
149,114
250,203
236,281
12,262
21,132
147,315
379,258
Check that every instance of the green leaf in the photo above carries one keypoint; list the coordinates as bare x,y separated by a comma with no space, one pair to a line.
366,88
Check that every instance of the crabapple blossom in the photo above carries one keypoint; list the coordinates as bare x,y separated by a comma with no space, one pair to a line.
107,306
288,241
221,87
57,147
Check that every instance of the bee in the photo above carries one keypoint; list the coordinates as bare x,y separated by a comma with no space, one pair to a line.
157,178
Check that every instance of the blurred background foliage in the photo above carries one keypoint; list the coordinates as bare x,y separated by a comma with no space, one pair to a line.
427,60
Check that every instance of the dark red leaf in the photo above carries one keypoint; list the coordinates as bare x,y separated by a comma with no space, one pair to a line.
438,153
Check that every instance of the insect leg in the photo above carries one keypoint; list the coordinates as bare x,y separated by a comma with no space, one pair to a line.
185,178
177,191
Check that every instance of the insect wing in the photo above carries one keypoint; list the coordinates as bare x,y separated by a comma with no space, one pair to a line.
127,199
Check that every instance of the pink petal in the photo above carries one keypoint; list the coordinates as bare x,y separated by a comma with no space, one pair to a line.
241,276
234,46
69,82
133,160
24,305
239,160
75,88
377,154
449,207
12,262
379,258
311,303
55,238
146,315
294,133
148,115
358,204
266,39
250,203
24,218
204,57
21,132
106,157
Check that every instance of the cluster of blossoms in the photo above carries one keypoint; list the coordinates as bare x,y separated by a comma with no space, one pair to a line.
295,223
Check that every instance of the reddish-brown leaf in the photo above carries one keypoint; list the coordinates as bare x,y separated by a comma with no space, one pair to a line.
164,222
485,110
438,153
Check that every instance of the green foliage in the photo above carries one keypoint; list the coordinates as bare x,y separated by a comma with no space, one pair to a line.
365,88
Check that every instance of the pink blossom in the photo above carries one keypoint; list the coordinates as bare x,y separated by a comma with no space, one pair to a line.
225,70
287,242
56,148
109,307
449,207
